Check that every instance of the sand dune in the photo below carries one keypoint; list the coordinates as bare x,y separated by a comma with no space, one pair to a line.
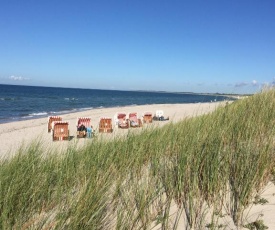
16,134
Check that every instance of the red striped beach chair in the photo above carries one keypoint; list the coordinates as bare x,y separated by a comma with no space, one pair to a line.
134,121
105,125
121,120
60,130
51,119
82,124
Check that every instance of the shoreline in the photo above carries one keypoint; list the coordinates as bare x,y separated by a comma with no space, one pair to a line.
80,110
31,103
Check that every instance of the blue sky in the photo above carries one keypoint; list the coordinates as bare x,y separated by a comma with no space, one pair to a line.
224,46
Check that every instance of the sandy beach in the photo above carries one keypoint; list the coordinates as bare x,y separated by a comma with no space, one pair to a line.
22,133
16,134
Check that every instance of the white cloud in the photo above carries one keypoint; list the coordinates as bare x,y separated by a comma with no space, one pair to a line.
241,84
19,78
255,83
268,84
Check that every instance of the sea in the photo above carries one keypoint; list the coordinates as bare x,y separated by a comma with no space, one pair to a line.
28,102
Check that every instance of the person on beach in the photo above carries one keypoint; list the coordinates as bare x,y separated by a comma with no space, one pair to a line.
81,131
162,118
90,131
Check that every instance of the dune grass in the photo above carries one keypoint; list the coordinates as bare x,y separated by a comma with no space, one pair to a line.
208,165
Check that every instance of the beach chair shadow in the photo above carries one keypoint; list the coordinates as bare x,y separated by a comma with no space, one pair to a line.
105,125
134,121
51,119
82,124
60,131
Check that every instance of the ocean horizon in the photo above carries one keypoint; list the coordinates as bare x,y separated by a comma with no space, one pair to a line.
19,102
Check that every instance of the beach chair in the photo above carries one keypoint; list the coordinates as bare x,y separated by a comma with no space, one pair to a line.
105,125
134,121
51,119
81,125
121,120
159,116
159,113
60,130
147,117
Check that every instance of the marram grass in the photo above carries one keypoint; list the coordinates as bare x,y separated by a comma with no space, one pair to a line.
207,165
